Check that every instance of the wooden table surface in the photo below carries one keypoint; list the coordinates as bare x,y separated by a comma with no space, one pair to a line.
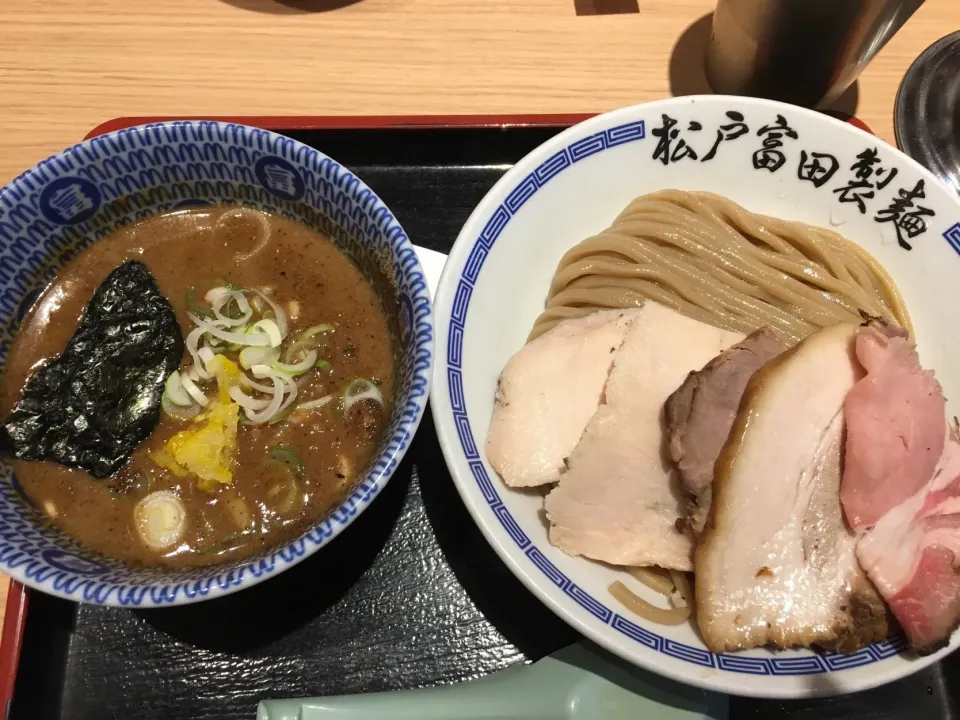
67,65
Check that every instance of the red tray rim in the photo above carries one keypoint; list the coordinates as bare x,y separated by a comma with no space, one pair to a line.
358,122
15,613
368,122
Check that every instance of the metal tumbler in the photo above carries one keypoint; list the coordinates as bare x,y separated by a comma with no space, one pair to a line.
806,52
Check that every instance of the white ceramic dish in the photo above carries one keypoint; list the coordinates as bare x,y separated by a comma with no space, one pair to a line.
497,275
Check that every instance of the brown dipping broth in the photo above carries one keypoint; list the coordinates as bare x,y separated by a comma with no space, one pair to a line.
182,251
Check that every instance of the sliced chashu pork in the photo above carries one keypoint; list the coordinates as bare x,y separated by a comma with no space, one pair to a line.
776,564
895,426
619,500
901,485
547,394
701,412
912,554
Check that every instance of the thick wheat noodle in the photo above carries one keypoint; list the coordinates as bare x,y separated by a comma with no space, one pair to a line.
668,583
688,278
708,293
655,578
682,583
800,233
648,611
697,280
710,259
550,317
692,307
744,286
757,266
598,269
608,296
643,287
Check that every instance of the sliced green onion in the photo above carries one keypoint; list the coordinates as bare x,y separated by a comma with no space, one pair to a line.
293,309
296,368
287,467
237,509
218,294
260,339
206,355
177,411
316,330
278,314
160,519
259,416
192,343
289,457
223,545
314,404
245,401
359,390
191,303
307,340
281,415
220,299
251,356
195,392
290,495
322,365
174,391
271,329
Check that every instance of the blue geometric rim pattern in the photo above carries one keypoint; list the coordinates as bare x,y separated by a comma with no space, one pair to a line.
952,236
524,190
52,211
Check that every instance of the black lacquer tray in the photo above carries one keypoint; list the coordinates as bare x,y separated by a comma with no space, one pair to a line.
410,595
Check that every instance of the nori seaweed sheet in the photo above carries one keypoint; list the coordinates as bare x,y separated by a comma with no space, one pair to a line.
91,406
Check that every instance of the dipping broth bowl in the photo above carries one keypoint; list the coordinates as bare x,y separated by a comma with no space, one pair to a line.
76,197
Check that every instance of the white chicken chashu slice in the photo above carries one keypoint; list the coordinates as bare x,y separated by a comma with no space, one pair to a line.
619,501
776,563
547,394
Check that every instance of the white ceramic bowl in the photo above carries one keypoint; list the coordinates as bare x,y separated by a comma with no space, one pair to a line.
571,187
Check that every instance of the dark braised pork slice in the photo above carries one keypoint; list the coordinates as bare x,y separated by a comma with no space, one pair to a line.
90,406
701,412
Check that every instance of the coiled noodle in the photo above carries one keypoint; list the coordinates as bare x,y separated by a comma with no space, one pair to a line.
712,260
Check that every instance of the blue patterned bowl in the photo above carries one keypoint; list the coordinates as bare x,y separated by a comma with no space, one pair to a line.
55,209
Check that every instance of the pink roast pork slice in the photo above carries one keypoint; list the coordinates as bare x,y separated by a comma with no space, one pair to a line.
895,426
901,486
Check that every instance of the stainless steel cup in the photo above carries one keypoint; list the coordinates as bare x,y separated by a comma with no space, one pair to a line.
805,52
927,113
